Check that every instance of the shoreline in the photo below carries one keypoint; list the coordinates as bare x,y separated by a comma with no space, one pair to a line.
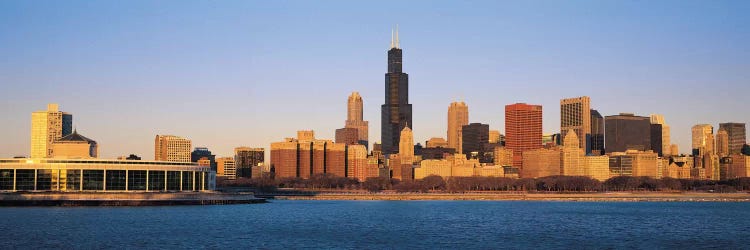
75,199
571,197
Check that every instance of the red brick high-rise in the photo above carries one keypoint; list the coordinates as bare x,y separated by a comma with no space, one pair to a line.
523,129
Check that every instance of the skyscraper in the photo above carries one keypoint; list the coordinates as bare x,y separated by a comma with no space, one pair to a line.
396,112
203,152
722,143
597,132
575,114
572,155
523,129
474,138
406,146
355,118
246,158
172,148
665,134
701,138
47,126
736,132
627,132
458,116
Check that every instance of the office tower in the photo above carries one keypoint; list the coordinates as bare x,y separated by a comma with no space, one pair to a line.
46,127
406,146
458,116
736,132
396,112
597,167
627,132
572,155
575,114
495,136
355,118
285,159
634,163
295,158
665,134
246,158
523,130
701,140
541,162
172,148
722,143
203,152
357,162
348,136
74,146
597,133
474,138
656,138
436,142
226,167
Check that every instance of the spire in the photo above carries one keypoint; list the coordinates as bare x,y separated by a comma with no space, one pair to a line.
392,41
394,38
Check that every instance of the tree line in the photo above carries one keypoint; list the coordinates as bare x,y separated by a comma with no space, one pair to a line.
436,183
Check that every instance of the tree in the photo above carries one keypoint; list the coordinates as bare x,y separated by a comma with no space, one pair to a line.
433,182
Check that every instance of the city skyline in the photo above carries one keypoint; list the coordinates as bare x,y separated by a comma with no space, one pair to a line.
124,126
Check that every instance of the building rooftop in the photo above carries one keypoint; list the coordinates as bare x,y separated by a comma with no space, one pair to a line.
75,137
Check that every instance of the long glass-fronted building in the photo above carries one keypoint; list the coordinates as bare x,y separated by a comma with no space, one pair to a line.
99,175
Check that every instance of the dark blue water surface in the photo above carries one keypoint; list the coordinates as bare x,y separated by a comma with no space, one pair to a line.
384,224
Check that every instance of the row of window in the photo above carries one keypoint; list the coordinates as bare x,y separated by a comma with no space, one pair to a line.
94,180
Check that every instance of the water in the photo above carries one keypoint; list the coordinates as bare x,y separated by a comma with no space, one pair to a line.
383,224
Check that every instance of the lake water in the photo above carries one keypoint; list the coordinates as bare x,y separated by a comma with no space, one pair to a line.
383,225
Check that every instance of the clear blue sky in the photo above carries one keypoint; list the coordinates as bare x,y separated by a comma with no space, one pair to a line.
232,73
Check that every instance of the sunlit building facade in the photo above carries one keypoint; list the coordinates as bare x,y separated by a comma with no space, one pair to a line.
99,175
172,148
47,126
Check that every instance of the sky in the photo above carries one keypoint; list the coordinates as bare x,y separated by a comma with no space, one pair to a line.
248,73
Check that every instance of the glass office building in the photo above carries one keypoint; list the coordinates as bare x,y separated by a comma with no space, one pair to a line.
98,175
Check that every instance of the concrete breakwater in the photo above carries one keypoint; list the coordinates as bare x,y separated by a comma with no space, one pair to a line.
125,199
613,196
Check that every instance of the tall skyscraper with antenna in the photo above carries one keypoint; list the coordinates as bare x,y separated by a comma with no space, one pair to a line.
396,112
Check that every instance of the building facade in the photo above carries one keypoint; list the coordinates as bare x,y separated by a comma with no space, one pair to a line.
246,158
172,148
226,167
523,130
102,175
396,112
47,126
474,138
736,133
626,131
597,133
355,118
458,116
575,114
75,146
665,134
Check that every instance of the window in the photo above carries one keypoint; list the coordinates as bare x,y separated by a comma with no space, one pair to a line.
25,179
93,179
173,180
137,180
74,180
43,179
156,180
115,179
6,179
187,181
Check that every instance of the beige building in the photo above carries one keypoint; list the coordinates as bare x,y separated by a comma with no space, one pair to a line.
677,167
722,143
503,156
436,142
634,163
458,116
226,167
665,133
433,167
406,146
75,146
597,167
355,118
46,127
494,136
457,166
172,148
701,137
575,115
305,135
541,163
572,155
